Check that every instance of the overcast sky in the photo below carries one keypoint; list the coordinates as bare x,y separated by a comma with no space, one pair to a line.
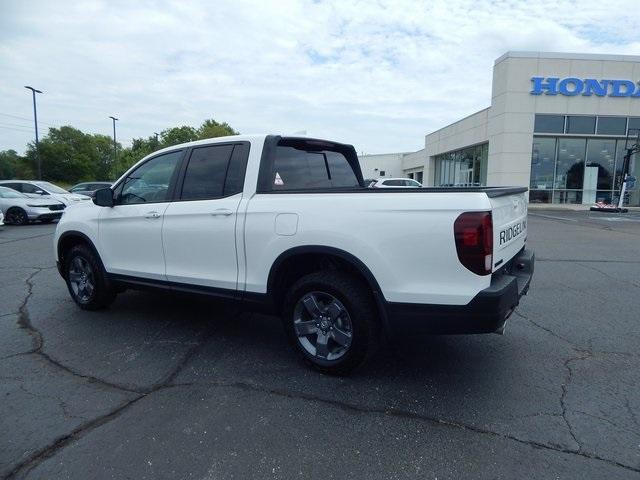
377,74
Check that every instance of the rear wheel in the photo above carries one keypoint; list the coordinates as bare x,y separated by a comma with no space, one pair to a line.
86,279
332,322
16,216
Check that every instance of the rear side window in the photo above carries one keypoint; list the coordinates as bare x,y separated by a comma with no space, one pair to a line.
299,168
215,171
237,168
394,183
15,186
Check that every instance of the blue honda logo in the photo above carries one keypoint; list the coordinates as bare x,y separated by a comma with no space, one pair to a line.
586,87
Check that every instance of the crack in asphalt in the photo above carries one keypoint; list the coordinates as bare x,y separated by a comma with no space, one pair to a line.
404,414
583,260
605,274
13,240
580,354
563,397
24,321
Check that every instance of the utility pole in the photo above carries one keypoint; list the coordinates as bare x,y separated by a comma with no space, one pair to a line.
115,145
157,141
35,120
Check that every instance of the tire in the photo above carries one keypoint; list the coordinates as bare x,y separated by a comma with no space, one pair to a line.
86,279
16,216
344,330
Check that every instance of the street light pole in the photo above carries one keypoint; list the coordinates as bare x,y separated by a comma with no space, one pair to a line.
35,120
115,148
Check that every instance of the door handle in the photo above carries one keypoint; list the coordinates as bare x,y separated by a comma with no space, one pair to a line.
152,215
222,211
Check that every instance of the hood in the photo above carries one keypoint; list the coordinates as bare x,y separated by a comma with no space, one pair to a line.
74,197
39,201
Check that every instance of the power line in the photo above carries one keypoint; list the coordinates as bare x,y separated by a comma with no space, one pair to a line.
17,129
16,125
25,118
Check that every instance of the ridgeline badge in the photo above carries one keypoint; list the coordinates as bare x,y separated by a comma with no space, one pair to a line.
586,87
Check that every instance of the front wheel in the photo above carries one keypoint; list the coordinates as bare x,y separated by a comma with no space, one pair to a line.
16,216
86,279
331,320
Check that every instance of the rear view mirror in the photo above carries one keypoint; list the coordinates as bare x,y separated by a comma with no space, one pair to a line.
103,197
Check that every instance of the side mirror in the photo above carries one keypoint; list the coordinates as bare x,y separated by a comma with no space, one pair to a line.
41,192
103,197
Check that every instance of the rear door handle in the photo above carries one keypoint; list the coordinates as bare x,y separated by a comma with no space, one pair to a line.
152,215
222,211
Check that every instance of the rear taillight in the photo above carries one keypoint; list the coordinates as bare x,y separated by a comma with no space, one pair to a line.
474,241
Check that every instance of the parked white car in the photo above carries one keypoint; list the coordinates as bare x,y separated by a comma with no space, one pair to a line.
1,218
19,209
40,189
286,225
395,183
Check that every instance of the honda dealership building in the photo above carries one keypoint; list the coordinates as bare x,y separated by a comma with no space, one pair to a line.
557,124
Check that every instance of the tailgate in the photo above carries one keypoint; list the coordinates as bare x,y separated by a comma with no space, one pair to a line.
509,213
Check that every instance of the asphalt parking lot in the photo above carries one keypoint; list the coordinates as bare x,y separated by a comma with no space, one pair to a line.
181,387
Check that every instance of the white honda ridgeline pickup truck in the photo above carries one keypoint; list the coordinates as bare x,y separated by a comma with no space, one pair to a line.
285,225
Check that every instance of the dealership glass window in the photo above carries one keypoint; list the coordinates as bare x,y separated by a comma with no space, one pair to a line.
543,163
540,196
634,126
575,181
581,124
462,168
612,125
549,124
567,196
570,163
601,156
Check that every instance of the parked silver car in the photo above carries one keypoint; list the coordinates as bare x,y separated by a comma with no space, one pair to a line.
18,209
46,190
89,188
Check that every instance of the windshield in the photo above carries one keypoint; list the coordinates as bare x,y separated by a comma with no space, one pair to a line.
10,193
50,187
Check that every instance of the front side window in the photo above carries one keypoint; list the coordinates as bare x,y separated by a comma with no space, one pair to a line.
301,167
30,188
149,183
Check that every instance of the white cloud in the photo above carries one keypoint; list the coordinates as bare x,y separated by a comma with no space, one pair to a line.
376,74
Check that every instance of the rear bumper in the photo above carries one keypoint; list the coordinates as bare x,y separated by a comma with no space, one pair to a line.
486,313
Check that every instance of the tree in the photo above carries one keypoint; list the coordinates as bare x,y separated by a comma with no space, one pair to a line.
177,135
13,165
211,129
68,155
141,147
